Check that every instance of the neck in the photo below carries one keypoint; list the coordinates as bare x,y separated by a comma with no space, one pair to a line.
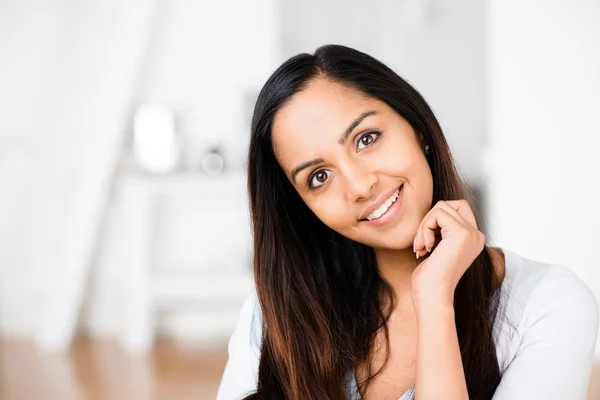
396,268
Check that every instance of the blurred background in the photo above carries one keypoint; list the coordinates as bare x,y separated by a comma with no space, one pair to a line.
125,243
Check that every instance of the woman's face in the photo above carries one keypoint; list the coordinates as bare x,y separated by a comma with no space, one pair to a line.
380,153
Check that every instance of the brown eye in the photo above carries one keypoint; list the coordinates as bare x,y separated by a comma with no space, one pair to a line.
368,138
317,179
321,176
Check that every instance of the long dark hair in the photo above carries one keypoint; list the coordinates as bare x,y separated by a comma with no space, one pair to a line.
320,292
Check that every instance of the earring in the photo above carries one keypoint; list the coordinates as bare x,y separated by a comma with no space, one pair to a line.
427,151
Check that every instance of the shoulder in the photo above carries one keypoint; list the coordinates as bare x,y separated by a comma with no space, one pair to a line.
554,300
249,325
256,321
556,317
241,370
547,287
562,294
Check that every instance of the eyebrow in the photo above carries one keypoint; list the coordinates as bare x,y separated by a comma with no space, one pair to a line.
341,141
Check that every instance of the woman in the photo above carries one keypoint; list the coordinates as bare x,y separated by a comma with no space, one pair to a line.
373,279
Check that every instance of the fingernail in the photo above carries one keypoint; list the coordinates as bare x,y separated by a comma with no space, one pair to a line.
417,255
428,249
414,240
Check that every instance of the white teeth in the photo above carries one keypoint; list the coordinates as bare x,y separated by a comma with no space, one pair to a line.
384,207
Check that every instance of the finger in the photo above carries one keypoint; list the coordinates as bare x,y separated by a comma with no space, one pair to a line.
437,218
442,219
430,238
426,240
418,242
422,242
421,252
460,208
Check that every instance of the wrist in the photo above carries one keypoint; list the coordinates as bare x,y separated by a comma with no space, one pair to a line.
433,305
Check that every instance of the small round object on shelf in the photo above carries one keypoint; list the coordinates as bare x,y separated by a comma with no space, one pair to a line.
212,162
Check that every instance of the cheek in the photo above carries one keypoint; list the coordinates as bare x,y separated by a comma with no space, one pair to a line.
333,214
397,157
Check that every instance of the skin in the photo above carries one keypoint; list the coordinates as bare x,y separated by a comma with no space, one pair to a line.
356,174
382,152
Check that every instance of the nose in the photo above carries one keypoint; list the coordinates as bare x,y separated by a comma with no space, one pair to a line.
361,182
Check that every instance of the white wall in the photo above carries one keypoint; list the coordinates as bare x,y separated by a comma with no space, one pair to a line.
544,170
436,45
62,99
30,33
70,69
539,115
204,62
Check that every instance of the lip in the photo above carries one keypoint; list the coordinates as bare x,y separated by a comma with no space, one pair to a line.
379,202
389,214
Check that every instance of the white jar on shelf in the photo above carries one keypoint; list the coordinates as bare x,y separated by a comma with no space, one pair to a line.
156,145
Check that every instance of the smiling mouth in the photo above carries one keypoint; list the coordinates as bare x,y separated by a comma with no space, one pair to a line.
367,219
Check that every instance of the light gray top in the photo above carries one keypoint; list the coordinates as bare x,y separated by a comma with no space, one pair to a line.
552,350
354,395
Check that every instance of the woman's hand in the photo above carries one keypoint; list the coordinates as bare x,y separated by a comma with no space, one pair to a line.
436,276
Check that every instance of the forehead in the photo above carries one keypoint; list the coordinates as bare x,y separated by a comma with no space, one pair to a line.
314,119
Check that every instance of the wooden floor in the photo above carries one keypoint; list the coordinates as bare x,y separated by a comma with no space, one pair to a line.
101,370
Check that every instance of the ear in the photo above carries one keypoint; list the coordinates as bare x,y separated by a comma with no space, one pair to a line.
421,138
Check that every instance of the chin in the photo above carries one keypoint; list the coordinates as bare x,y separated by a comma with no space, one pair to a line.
395,243
392,246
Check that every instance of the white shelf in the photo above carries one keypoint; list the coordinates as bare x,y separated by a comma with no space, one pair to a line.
216,207
171,289
234,180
